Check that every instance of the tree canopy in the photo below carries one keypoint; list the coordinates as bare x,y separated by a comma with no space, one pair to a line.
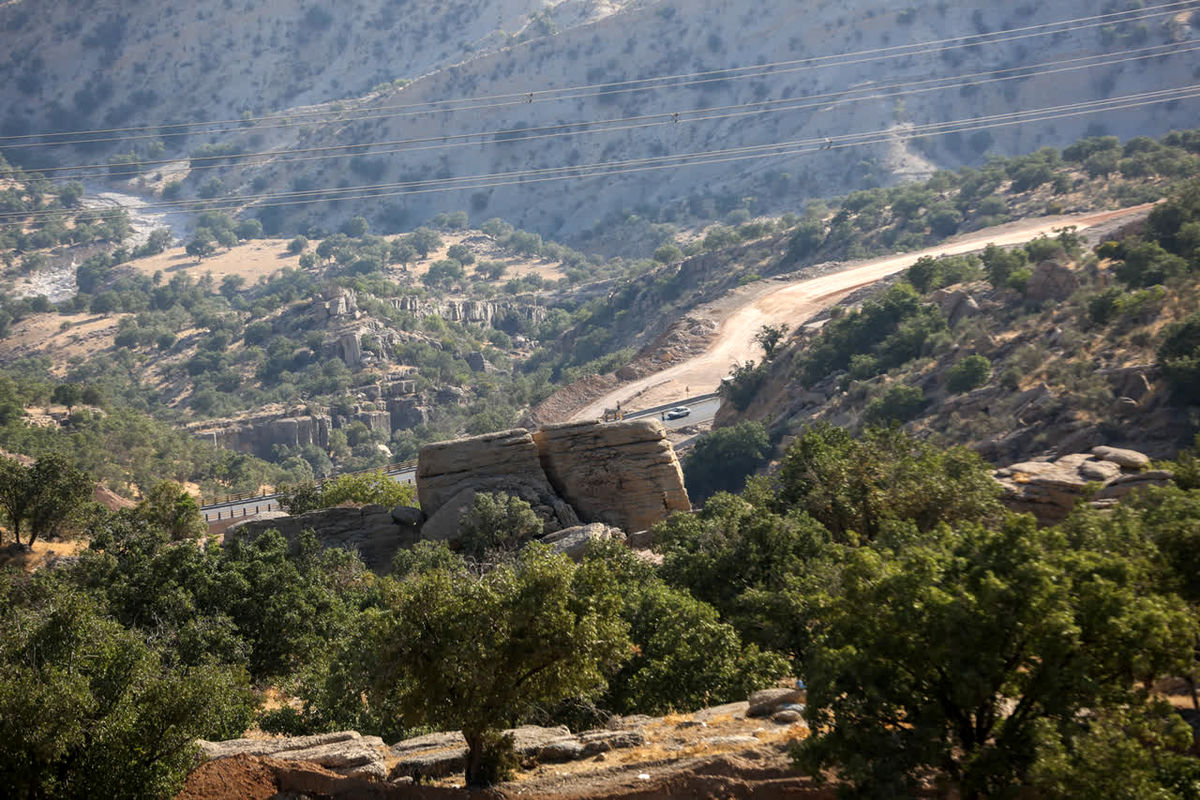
459,651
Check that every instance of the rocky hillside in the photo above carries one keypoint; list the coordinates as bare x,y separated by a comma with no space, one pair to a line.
148,63
106,63
1050,349
744,107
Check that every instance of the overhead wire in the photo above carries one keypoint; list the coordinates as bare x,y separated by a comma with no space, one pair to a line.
882,91
702,158
641,84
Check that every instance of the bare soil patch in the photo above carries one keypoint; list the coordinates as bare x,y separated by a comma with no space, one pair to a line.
255,259
44,334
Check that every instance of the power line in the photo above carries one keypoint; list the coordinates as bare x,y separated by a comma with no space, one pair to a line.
799,146
641,84
445,141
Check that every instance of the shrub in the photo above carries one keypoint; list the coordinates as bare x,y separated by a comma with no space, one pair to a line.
970,373
497,522
900,404
1179,357
723,459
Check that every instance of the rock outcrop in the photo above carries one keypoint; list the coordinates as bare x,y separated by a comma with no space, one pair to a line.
573,542
346,752
374,532
493,313
1050,490
260,433
1051,281
437,755
449,474
624,474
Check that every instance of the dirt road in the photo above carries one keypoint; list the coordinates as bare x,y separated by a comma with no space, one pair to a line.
792,303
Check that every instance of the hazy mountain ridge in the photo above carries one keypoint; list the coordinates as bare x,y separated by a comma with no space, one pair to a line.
100,63
673,37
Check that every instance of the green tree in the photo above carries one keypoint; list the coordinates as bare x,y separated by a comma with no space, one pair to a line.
958,651
90,709
854,487
67,394
362,488
970,373
355,226
668,253
1130,753
686,657
42,497
753,565
424,241
461,253
199,247
69,194
1000,264
457,651
249,229
899,403
443,272
169,506
497,522
769,338
1179,356
722,459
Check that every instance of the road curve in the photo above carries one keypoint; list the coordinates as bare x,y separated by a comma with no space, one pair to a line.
794,302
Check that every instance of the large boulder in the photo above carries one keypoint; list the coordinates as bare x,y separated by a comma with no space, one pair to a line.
450,473
1050,490
1051,281
624,474
573,541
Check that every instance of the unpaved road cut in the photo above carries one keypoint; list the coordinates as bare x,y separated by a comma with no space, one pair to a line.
793,302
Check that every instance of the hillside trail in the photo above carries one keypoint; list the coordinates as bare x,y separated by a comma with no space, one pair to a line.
791,303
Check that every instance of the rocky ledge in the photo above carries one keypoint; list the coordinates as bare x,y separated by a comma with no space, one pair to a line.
1050,490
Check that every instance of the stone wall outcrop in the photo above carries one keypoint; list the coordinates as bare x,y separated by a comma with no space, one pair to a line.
376,533
261,433
493,313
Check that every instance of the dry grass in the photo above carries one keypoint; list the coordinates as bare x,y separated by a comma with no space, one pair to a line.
41,553
256,259
43,334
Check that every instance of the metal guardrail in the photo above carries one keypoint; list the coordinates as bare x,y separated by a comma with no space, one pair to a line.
216,512
238,499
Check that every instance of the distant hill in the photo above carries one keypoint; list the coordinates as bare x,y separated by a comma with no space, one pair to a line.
116,64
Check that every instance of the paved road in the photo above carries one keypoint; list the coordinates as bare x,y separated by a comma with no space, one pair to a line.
704,408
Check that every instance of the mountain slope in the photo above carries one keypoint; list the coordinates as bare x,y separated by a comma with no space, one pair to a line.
675,37
100,63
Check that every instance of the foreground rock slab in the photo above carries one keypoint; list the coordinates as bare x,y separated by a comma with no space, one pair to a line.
345,752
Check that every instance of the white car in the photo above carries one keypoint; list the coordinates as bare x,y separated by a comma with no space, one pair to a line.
678,412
